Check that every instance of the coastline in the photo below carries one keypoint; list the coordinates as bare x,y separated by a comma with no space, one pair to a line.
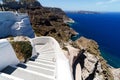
112,72
104,54
103,37
91,63
69,21
111,61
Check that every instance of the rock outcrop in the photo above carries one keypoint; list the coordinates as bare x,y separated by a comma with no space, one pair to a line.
116,73
94,63
47,23
84,55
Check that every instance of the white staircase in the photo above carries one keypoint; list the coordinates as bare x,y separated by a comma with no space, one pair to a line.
45,63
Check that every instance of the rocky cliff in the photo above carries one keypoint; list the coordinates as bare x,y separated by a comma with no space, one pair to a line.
92,66
84,55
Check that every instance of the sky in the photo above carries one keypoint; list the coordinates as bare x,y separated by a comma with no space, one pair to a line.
87,5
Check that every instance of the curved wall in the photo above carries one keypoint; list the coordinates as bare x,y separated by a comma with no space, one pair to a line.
7,54
14,24
62,63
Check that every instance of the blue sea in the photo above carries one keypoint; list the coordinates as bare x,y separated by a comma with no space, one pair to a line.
103,28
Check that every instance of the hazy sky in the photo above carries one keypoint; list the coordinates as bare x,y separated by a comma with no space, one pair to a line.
91,5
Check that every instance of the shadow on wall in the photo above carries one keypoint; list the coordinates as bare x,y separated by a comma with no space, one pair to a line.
78,60
92,75
15,24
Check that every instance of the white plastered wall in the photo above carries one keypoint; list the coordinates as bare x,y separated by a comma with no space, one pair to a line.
7,54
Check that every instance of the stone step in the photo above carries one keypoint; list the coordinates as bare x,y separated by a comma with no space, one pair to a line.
49,56
41,65
46,49
45,46
4,76
45,62
46,59
26,74
38,47
53,62
37,69
47,52
41,46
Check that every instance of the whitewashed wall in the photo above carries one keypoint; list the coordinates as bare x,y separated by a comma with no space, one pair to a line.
62,63
7,54
15,24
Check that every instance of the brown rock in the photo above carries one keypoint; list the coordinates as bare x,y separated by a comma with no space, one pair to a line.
116,73
89,45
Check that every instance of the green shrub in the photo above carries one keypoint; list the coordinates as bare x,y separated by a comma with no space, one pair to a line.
23,50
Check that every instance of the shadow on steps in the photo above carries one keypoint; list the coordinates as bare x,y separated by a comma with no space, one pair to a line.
8,70
35,57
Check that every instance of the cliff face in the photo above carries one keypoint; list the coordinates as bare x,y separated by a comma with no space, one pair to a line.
95,66
92,65
46,22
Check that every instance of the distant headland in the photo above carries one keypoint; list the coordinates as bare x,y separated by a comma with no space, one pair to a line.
84,12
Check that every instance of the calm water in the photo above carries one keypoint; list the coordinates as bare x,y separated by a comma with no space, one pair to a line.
103,28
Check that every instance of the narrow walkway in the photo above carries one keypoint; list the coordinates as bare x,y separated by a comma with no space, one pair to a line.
40,68
49,63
